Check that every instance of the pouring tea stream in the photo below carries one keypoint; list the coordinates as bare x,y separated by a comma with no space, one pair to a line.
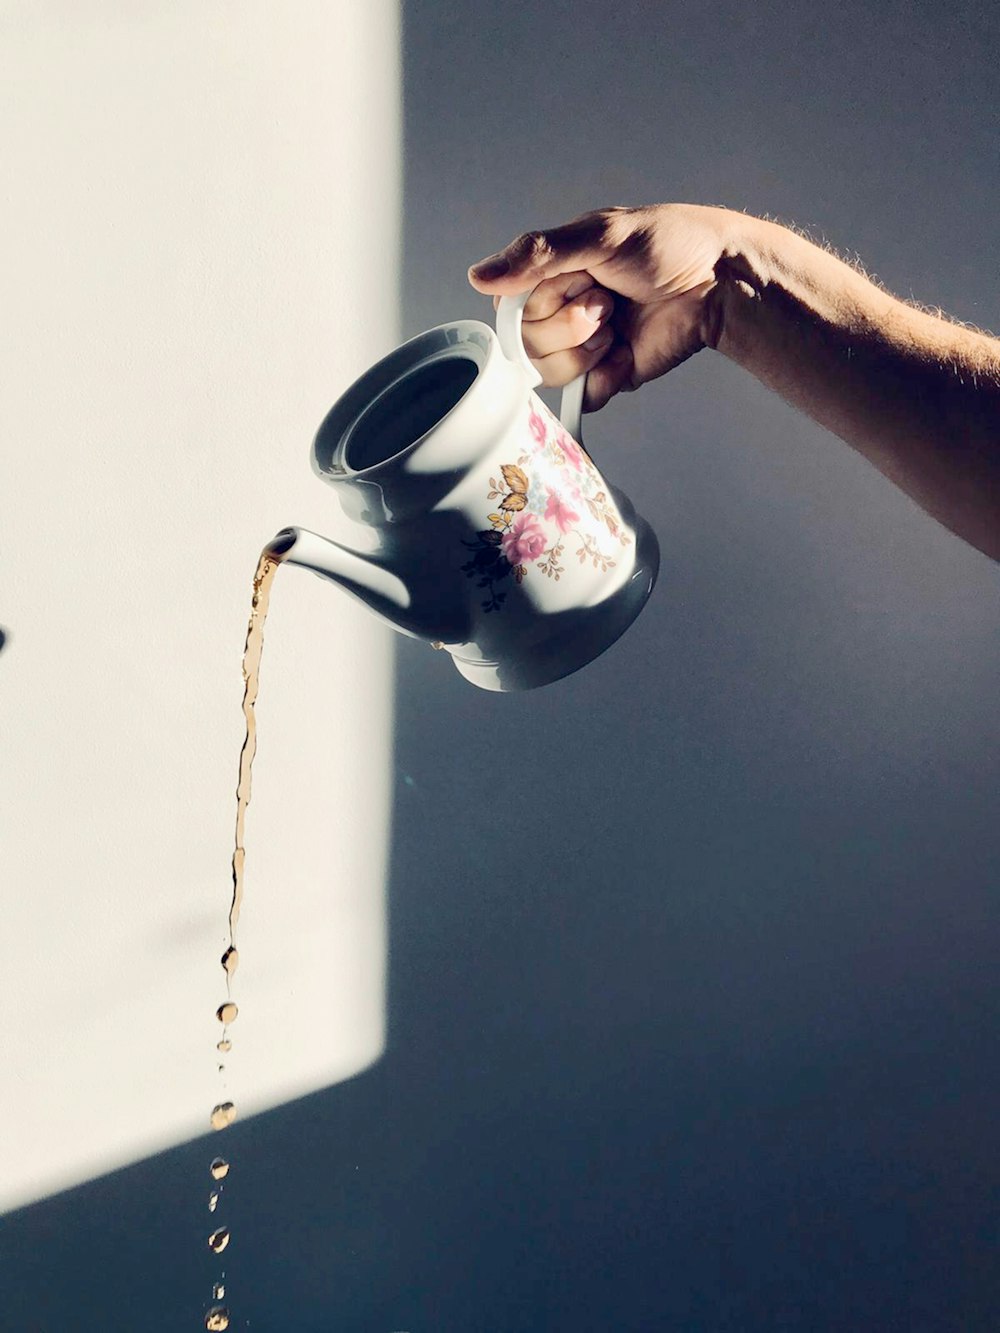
497,538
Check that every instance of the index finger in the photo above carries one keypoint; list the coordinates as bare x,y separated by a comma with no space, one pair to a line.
536,255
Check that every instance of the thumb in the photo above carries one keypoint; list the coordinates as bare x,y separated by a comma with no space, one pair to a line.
536,255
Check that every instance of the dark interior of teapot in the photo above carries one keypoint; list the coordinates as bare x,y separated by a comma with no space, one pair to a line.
408,409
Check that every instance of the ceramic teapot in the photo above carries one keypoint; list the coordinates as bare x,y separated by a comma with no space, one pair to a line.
484,526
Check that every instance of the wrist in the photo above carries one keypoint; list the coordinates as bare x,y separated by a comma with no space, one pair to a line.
752,256
743,271
776,285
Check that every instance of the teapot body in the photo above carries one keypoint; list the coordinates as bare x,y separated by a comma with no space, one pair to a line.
516,555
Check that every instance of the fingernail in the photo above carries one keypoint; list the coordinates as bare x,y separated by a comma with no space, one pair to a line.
597,307
493,267
598,339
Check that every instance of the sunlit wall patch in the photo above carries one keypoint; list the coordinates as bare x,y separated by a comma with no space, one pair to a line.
186,296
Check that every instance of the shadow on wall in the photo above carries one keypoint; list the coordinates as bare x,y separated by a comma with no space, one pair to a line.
713,1092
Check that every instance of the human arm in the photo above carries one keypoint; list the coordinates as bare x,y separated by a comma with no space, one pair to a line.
917,395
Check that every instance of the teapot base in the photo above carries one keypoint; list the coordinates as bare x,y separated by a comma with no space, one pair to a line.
572,638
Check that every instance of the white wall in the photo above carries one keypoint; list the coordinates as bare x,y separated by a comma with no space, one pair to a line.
200,251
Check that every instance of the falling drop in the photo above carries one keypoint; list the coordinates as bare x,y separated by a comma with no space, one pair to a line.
218,1240
226,1013
217,1318
230,960
219,1168
222,1115
218,1291
224,1045
213,1201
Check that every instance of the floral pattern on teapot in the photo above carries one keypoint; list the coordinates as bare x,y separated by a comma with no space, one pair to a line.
548,497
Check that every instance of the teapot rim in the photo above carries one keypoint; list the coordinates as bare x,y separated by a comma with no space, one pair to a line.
468,339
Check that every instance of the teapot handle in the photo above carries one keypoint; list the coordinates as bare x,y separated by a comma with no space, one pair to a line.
509,315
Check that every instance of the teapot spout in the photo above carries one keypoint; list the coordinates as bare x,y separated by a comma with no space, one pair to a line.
379,588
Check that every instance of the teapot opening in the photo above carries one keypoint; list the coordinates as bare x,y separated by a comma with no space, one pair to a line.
408,408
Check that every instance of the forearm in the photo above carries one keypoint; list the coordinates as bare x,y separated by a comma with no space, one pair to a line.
917,395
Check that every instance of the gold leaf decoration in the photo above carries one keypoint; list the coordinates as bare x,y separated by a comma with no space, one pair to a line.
515,479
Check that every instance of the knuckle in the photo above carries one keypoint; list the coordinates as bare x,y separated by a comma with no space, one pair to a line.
535,247
611,224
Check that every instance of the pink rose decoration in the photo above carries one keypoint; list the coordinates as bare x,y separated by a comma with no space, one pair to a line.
573,452
537,427
558,509
524,541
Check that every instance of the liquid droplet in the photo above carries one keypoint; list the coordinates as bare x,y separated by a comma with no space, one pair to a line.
213,1201
219,1168
226,1013
217,1318
224,1045
218,1291
218,1240
230,960
222,1115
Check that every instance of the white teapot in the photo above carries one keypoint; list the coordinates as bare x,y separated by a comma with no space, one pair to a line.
498,539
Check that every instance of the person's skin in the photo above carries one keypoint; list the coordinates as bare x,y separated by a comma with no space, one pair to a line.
626,294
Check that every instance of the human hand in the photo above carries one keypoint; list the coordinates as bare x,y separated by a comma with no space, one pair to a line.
622,294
